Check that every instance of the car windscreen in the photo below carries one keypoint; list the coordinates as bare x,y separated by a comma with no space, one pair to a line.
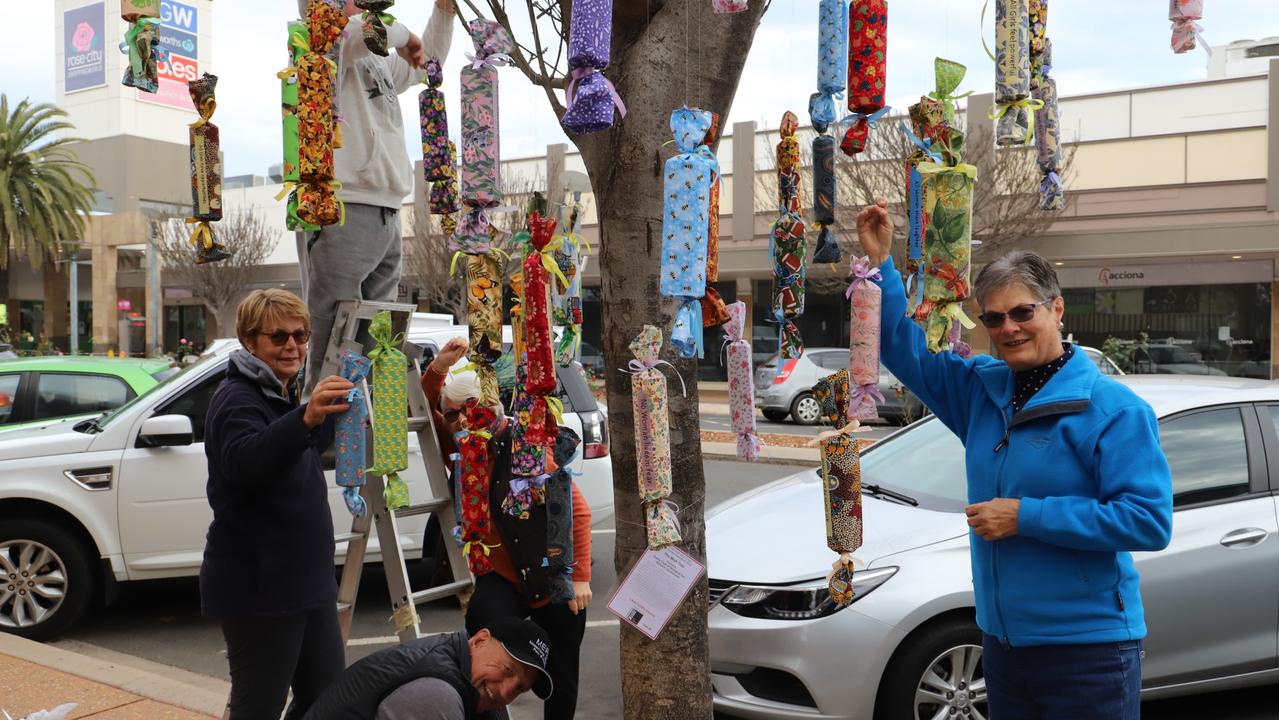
924,461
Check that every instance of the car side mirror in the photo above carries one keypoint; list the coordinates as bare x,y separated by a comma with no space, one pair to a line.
166,431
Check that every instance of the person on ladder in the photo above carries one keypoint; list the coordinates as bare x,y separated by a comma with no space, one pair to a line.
501,593
361,258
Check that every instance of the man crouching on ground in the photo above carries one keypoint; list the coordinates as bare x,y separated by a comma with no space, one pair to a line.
443,677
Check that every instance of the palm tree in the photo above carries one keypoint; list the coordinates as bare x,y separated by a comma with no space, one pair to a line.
45,191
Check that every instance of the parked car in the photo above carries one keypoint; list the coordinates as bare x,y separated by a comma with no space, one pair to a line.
790,392
1172,358
780,648
46,388
1105,365
121,496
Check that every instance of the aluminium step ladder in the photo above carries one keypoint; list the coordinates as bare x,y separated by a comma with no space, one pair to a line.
350,324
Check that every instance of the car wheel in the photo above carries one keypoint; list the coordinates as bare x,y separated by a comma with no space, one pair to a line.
775,415
937,673
806,410
46,580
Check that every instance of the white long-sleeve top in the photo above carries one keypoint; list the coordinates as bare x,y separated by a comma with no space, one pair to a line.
373,164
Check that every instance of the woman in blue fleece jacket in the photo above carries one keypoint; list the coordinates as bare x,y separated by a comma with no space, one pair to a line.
268,572
1065,479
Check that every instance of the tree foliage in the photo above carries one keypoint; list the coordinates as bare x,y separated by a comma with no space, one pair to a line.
45,191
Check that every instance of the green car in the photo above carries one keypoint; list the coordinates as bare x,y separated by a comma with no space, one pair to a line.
41,389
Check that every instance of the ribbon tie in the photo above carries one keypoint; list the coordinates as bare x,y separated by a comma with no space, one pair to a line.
862,271
1031,104
925,144
479,62
201,234
580,74
638,366
1050,180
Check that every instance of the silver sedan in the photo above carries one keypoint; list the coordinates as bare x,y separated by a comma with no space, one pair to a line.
908,646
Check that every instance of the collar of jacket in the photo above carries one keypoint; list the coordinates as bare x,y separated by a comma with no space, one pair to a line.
252,368
1069,390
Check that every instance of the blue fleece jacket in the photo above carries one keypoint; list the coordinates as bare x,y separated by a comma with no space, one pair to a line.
269,550
1082,456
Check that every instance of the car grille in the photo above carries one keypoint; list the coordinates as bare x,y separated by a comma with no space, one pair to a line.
718,588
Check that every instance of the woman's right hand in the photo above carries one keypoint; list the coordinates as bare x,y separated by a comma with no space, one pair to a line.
329,397
448,355
875,231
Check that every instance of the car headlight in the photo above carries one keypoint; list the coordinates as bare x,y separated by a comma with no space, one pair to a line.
805,601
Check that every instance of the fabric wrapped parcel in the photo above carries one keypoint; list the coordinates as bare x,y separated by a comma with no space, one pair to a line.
205,146
686,194
390,410
591,97
653,439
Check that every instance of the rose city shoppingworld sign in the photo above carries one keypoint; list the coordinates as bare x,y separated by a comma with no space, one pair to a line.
179,37
84,63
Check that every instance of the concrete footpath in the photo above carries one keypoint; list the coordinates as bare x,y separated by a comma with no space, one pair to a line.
34,677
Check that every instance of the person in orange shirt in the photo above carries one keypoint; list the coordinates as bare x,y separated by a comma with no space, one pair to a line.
518,586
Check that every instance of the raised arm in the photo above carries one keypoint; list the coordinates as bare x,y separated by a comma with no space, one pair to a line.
943,381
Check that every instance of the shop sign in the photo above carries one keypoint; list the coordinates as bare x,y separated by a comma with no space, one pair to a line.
1155,275
123,305
83,43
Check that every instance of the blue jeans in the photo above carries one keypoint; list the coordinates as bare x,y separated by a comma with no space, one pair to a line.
1062,682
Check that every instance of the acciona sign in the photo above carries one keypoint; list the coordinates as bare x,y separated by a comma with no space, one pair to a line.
1154,275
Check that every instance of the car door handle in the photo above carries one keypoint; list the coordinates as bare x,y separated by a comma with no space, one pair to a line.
1244,537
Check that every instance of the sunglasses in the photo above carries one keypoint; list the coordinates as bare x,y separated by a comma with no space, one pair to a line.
451,415
1019,314
280,338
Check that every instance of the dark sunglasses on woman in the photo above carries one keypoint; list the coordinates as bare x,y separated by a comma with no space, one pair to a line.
1019,314
279,338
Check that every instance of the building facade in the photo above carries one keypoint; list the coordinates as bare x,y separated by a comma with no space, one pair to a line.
1169,240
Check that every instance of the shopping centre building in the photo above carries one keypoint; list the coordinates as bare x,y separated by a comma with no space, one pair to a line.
1171,229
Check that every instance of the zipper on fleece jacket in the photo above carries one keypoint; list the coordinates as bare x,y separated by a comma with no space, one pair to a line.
994,546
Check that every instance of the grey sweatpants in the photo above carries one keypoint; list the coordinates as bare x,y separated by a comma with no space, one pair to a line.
358,260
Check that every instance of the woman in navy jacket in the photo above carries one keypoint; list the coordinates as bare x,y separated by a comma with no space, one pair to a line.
1065,479
268,559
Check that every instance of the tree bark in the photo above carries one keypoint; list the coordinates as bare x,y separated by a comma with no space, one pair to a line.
656,69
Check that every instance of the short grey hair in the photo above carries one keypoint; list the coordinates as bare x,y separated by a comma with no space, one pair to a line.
1019,267
464,386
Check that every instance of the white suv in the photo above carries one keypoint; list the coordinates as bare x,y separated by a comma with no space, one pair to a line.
121,497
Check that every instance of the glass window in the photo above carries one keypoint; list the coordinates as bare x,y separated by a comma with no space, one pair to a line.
8,395
926,462
831,360
63,394
194,403
1207,454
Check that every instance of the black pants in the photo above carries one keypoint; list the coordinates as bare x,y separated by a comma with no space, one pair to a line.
495,597
268,656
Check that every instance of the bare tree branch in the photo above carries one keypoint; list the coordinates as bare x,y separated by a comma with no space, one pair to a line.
221,285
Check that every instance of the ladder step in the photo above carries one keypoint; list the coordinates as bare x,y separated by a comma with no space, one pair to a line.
423,508
443,591
420,423
347,537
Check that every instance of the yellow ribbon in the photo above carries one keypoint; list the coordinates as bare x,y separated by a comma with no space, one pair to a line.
201,234
289,185
930,168
466,549
1031,104
557,408
955,311
207,106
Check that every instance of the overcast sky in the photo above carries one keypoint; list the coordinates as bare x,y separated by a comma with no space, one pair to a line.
1098,45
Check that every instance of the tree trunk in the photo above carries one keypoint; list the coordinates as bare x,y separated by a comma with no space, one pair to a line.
656,69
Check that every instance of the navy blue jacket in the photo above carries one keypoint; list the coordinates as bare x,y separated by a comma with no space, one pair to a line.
269,551
1082,456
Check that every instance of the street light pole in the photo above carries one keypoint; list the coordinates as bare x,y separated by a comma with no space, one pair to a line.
75,302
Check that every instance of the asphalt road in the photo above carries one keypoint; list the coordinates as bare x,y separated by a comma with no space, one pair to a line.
160,622
724,423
